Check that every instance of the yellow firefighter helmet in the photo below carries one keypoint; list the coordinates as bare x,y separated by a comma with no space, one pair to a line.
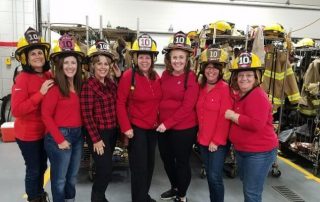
101,47
31,40
66,45
246,61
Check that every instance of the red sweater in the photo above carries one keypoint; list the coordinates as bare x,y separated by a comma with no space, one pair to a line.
58,111
255,132
177,106
25,103
140,106
211,107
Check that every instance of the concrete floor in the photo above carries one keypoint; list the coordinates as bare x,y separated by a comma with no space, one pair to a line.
12,184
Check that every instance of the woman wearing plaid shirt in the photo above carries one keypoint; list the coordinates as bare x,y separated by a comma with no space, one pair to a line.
98,108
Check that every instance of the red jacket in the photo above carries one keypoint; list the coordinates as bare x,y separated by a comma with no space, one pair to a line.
177,106
211,107
140,106
255,132
58,111
25,103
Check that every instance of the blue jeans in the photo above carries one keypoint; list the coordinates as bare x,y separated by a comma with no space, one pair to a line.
35,159
64,164
253,168
214,162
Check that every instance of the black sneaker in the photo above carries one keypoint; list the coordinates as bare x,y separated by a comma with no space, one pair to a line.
178,199
168,195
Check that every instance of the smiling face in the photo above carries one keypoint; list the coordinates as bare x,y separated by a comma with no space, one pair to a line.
70,66
144,62
178,59
212,73
36,59
101,67
246,81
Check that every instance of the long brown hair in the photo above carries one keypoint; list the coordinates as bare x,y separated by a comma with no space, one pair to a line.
61,79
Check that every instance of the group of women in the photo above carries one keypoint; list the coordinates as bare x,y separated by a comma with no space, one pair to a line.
51,107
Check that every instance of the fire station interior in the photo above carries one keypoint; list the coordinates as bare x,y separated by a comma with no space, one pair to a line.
283,33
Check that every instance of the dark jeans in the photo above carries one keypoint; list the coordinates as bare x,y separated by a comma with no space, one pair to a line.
64,164
103,164
175,147
141,158
214,162
35,159
253,168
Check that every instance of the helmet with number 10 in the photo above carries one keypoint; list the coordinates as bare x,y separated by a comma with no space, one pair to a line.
246,61
179,41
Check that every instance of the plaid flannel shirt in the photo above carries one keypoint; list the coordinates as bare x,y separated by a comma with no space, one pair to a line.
98,106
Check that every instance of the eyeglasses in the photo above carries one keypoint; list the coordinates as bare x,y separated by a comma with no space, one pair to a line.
248,76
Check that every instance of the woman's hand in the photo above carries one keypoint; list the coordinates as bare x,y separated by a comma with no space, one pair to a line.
46,86
64,145
129,133
116,70
161,128
99,147
212,147
231,115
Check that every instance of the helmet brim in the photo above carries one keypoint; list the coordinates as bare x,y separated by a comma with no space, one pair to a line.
144,51
108,54
246,69
175,47
79,54
22,49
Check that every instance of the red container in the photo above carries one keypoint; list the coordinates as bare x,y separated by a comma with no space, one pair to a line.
7,131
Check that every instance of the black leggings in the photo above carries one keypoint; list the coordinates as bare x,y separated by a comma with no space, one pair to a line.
175,147
142,158
103,164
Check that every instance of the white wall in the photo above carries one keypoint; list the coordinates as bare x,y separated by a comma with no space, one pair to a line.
15,17
182,15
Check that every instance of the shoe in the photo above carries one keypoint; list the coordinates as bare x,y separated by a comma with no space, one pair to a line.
178,199
170,194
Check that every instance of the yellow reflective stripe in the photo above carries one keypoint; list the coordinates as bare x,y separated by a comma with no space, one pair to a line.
294,97
315,102
308,111
275,100
277,76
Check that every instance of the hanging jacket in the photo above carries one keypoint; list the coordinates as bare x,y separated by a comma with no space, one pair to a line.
310,93
274,74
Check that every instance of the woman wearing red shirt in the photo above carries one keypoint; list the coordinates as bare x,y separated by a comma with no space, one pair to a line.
139,95
61,114
98,108
213,101
252,132
178,116
27,94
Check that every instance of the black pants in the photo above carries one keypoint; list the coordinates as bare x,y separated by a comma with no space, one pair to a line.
141,158
175,147
103,164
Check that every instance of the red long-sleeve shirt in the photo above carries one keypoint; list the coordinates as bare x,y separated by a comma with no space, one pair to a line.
58,111
140,106
255,132
98,106
25,104
211,107
177,106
